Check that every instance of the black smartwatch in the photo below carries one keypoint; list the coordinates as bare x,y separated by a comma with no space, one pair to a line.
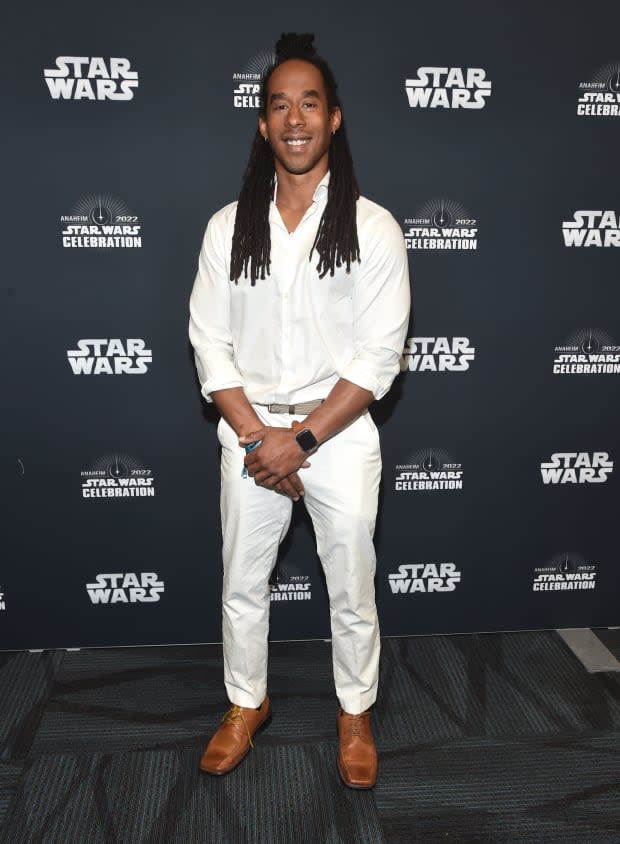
306,439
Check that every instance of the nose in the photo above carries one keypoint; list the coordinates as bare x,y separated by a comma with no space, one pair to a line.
294,116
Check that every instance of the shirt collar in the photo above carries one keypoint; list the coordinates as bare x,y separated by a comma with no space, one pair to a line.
319,194
321,189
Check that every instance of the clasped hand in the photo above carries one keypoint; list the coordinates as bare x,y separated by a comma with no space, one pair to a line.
275,462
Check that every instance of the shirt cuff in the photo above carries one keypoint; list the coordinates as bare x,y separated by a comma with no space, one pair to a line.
362,374
212,386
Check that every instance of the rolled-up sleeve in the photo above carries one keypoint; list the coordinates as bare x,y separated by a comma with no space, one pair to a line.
381,303
209,306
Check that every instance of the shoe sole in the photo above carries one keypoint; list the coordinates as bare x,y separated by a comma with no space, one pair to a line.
258,730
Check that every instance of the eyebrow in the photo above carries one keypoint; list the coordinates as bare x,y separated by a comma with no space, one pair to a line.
280,95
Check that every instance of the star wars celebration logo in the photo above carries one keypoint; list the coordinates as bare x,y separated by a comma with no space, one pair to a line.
577,467
587,352
448,87
126,588
431,470
441,225
424,577
117,476
103,356
246,90
100,222
566,572
91,78
437,354
293,587
2,601
592,228
600,97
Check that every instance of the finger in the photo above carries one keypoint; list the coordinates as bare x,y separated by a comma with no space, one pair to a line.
253,460
305,464
252,437
262,476
285,487
296,483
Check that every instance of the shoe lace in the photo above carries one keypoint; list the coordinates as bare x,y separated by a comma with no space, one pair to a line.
356,724
234,714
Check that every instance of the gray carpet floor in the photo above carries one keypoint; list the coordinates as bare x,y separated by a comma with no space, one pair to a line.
483,738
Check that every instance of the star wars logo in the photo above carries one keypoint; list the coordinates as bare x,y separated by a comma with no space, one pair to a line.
564,573
246,94
117,476
429,471
110,357
297,587
247,83
86,78
441,225
600,97
448,87
424,577
592,228
126,588
437,354
587,352
577,467
100,222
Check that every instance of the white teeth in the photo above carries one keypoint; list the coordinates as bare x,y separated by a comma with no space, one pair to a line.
297,142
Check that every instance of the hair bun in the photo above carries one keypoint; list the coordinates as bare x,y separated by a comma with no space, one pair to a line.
295,45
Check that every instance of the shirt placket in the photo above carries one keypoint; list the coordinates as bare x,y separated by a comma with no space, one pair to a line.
286,350
290,263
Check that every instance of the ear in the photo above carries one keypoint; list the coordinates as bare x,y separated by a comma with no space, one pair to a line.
262,127
335,120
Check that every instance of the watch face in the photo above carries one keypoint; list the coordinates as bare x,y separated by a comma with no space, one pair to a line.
306,439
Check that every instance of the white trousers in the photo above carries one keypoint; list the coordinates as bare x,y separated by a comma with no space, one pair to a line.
341,493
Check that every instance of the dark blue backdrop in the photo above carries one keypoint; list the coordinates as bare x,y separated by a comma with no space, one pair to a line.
112,525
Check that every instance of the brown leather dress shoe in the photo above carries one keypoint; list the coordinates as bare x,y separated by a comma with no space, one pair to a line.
233,739
357,755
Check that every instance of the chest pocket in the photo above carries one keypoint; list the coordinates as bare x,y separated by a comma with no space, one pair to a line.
340,285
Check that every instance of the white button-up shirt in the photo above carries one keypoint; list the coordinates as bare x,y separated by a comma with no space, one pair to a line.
293,335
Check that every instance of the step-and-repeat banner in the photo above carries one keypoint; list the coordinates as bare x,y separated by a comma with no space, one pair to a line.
491,133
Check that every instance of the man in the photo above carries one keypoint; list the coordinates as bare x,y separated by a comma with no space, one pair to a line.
298,320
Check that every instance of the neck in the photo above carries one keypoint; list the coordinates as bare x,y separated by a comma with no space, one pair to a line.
296,191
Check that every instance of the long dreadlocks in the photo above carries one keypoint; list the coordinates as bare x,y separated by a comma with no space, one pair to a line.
336,240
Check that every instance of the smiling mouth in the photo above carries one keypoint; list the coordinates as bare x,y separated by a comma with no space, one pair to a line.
296,142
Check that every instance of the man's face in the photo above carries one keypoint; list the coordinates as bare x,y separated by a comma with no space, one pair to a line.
297,121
